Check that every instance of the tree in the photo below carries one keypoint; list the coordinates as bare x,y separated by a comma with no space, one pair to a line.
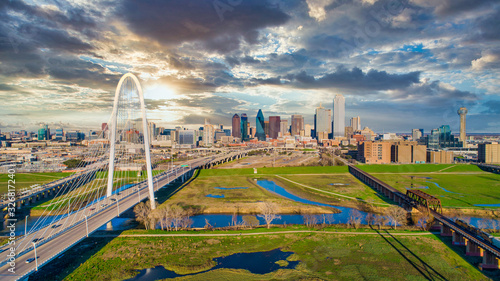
72,163
250,221
355,217
269,212
309,220
142,211
396,215
380,220
370,219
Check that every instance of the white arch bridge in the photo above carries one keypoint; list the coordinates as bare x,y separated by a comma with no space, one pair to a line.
105,186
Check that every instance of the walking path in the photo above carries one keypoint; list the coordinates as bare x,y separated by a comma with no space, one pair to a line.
333,193
262,233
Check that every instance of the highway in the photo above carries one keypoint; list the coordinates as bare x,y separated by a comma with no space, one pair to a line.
73,228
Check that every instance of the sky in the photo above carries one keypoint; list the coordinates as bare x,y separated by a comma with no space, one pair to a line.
400,64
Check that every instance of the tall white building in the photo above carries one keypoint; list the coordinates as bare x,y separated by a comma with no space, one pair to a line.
208,133
322,122
338,116
356,124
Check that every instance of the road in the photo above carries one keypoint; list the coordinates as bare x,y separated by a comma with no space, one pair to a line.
73,228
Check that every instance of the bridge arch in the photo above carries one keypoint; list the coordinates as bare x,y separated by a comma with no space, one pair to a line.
112,126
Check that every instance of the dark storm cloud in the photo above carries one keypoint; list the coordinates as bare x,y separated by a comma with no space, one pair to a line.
451,7
356,79
221,29
493,107
487,27
434,94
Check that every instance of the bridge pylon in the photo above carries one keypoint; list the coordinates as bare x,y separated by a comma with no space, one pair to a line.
127,95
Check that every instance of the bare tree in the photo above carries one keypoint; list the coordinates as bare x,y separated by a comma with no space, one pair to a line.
207,224
370,219
250,221
234,219
309,220
380,220
482,224
142,211
269,212
396,215
355,217
330,218
177,216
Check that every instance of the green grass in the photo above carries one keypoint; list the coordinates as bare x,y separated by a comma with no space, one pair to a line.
25,180
469,189
274,171
418,168
320,255
354,187
235,200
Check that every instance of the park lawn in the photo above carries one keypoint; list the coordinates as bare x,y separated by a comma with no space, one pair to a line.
320,255
276,171
418,168
235,200
354,187
468,189
26,180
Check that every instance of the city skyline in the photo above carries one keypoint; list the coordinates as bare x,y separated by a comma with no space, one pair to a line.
410,66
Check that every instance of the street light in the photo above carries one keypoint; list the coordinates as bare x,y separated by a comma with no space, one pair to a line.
87,225
36,259
26,225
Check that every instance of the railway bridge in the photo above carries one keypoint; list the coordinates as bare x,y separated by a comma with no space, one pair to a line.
475,244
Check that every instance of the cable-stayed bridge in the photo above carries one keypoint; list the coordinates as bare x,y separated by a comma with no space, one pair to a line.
115,174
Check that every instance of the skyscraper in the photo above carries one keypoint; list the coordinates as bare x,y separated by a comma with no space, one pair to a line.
462,112
416,134
338,116
236,126
297,124
322,121
356,123
244,127
260,133
283,127
274,126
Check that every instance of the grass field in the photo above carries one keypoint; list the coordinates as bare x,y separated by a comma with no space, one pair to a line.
321,256
235,200
350,187
277,171
25,180
464,190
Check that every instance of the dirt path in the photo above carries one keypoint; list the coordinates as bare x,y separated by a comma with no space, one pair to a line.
263,233
332,193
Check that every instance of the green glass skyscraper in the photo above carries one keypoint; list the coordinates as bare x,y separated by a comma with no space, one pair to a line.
244,127
260,134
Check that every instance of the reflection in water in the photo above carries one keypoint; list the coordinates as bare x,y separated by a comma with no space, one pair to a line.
257,263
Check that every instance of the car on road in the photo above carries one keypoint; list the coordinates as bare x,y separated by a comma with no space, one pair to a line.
92,209
30,260
113,199
55,225
103,205
37,239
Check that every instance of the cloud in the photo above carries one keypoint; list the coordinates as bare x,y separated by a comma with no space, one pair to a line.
219,26
489,60
356,79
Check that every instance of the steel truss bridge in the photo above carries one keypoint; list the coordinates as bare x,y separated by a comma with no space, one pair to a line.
475,245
